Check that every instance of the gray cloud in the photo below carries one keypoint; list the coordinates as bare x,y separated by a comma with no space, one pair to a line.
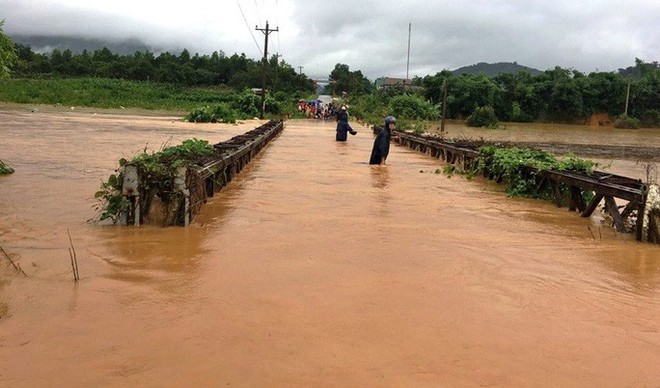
370,36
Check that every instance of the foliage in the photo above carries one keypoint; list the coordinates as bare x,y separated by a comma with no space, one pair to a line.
108,93
112,93
419,127
8,57
482,117
495,69
157,172
413,107
510,165
555,95
625,121
221,113
351,82
650,118
184,69
5,169
371,109
238,107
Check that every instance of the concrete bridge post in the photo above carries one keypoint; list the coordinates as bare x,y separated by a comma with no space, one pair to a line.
131,191
650,220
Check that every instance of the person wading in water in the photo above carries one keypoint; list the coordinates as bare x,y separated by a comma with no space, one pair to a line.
342,124
382,142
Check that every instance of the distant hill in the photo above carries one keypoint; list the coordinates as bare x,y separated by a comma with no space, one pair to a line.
495,69
46,44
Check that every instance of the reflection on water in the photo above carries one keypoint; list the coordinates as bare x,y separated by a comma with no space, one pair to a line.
379,176
311,268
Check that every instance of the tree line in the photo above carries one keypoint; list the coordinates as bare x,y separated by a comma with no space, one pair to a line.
236,71
556,95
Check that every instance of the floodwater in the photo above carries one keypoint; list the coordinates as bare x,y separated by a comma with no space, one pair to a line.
311,268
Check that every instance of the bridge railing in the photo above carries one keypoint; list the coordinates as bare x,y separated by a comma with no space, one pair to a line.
194,184
643,200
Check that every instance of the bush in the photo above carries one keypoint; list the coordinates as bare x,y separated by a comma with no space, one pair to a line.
651,119
625,121
482,117
247,104
412,107
221,113
5,169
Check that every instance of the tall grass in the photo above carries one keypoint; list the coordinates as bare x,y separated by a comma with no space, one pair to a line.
108,93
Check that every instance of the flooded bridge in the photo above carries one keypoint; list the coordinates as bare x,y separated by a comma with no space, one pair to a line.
309,268
194,184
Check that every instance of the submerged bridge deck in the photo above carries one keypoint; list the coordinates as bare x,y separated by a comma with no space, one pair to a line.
194,184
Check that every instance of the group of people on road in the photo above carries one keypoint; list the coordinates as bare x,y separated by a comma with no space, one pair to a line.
317,109
381,147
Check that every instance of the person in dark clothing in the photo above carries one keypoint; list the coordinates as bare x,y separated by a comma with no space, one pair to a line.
382,142
342,125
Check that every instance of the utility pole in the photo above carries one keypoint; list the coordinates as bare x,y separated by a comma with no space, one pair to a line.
300,70
275,80
445,86
625,112
408,61
264,65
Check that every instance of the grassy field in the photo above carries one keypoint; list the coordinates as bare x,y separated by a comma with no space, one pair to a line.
107,93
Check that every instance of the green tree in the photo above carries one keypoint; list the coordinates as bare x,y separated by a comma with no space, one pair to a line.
434,84
603,92
471,92
645,92
514,97
353,83
413,107
8,57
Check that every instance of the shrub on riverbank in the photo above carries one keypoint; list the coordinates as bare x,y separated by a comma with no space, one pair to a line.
483,116
625,121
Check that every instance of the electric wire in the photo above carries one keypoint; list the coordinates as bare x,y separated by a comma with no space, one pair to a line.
248,26
277,20
256,7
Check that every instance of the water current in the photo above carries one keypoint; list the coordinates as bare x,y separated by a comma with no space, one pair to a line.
311,268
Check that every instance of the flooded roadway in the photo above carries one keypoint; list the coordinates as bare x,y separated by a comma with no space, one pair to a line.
311,268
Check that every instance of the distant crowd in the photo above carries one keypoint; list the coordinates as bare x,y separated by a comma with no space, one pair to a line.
317,109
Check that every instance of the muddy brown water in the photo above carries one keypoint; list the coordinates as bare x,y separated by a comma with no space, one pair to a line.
311,268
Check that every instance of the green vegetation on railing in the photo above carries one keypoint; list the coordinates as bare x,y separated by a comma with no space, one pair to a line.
157,172
5,169
510,166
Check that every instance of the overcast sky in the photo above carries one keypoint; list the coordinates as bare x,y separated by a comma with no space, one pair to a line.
367,35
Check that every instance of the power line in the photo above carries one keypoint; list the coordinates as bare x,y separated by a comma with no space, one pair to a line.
248,26
277,20
256,7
